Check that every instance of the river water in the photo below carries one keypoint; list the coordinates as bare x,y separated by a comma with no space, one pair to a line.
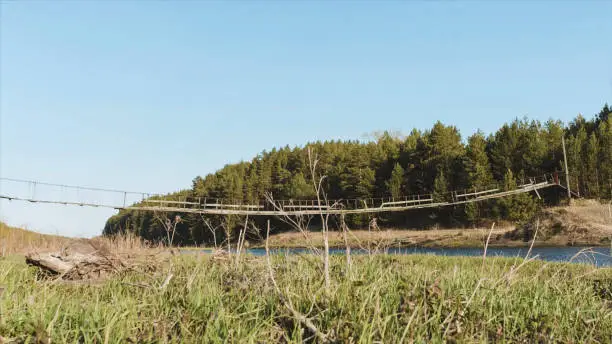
599,256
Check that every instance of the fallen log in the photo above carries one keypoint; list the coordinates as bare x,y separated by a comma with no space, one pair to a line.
49,262
86,260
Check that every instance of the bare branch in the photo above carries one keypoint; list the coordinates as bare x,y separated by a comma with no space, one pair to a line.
211,229
241,236
287,302
169,226
300,222
484,254
348,248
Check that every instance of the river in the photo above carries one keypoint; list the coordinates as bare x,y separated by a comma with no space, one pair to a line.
599,256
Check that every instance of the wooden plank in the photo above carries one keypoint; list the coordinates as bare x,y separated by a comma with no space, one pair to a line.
531,186
293,206
173,202
219,205
422,200
478,193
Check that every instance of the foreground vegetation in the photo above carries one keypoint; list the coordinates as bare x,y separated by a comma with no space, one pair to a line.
390,299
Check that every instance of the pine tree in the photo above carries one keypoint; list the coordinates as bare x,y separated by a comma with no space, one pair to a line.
250,185
604,133
281,177
299,188
533,149
575,146
554,158
444,151
440,193
603,115
519,207
591,158
477,164
501,148
365,183
394,184
264,182
472,212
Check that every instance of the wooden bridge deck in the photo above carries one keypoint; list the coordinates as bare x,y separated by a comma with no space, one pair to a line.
294,210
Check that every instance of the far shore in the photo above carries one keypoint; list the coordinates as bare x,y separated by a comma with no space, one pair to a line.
438,238
585,223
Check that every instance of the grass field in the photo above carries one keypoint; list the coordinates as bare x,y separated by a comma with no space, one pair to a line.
387,299
211,298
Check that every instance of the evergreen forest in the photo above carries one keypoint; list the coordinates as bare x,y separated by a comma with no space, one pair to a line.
431,162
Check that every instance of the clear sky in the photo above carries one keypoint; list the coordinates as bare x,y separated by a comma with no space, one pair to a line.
146,95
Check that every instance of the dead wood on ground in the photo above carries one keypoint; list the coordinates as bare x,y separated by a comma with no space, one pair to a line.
93,260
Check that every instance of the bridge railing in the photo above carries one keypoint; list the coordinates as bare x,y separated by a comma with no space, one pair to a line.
182,202
34,191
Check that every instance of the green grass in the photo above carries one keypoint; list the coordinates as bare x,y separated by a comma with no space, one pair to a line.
383,299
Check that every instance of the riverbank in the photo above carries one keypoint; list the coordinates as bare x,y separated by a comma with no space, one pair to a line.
586,223
391,238
201,298
442,238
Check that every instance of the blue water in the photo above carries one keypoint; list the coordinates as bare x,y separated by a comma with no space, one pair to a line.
599,256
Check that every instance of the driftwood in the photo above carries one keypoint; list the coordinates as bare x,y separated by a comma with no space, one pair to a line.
87,260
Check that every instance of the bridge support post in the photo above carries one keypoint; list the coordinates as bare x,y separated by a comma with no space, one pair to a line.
569,193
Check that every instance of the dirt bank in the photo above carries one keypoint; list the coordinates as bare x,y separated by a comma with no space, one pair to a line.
586,223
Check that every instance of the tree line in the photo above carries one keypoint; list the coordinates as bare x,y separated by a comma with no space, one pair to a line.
434,162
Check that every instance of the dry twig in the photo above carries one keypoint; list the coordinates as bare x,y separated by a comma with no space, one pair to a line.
287,302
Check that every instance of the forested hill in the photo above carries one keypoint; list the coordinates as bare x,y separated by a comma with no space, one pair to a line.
423,162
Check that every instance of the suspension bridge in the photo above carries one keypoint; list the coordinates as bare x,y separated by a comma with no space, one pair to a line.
49,193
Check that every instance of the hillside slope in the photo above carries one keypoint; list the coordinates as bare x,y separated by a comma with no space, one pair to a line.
586,222
18,240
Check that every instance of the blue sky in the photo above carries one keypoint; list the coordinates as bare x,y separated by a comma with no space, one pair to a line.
147,95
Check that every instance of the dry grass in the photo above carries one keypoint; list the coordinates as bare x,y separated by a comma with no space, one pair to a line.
585,222
593,212
124,244
15,240
391,237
